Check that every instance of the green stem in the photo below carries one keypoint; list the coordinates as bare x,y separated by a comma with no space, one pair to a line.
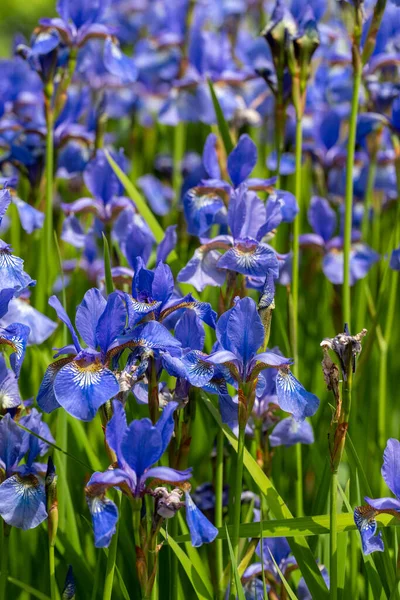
179,150
15,230
295,246
173,562
237,504
295,300
333,568
339,444
52,573
4,560
111,558
383,363
49,189
357,67
219,489
299,482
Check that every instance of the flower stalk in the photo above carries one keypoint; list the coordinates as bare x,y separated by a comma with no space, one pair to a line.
351,145
346,348
52,522
4,559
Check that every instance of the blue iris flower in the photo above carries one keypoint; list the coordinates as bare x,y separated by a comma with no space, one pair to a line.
204,205
364,516
240,334
82,382
137,447
251,222
322,219
22,492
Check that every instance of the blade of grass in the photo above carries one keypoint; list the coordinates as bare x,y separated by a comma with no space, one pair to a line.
287,587
107,267
193,575
299,526
239,589
222,124
195,557
28,589
140,203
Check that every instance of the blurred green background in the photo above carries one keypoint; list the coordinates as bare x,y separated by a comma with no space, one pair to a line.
21,16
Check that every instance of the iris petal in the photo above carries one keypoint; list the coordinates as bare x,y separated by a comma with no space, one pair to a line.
201,530
23,501
82,388
46,398
249,257
367,526
12,274
289,432
16,336
293,398
199,371
104,519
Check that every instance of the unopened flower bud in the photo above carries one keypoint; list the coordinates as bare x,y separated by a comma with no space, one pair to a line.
51,500
346,348
69,587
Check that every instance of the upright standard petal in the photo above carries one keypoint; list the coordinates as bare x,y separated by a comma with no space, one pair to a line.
201,530
81,388
141,446
189,331
88,314
111,323
165,424
241,331
293,397
23,501
62,315
242,160
115,430
322,217
210,157
167,244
